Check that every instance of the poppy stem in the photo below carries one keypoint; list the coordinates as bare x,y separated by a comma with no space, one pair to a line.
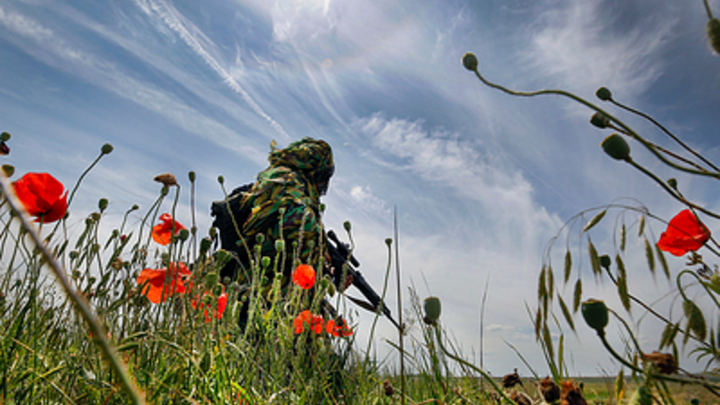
80,303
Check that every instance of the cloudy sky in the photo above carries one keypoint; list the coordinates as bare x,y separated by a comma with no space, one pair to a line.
481,180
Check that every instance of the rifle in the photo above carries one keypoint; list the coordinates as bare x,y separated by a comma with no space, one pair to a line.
344,263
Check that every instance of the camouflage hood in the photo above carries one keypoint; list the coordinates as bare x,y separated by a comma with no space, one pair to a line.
311,158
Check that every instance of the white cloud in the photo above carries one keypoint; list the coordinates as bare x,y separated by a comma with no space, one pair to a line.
199,43
583,50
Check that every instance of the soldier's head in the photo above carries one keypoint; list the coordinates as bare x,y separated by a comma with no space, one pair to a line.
312,158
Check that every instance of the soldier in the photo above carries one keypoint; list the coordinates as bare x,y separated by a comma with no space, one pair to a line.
283,204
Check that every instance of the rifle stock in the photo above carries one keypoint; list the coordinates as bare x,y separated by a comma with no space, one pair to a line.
340,256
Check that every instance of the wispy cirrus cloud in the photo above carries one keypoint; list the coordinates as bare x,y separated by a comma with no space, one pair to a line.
194,38
584,46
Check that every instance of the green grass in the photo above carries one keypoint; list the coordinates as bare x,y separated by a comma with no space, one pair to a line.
168,353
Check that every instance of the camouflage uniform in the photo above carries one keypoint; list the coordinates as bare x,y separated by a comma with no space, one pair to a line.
298,175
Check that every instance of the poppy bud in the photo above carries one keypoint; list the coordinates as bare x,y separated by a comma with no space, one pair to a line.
167,179
211,279
713,31
213,233
616,147
191,176
183,235
74,254
95,216
605,261
322,208
8,169
470,61
259,238
205,244
102,204
388,241
222,256
432,309
265,261
595,313
672,182
604,94
347,225
5,136
164,191
641,396
600,120
221,179
279,245
106,149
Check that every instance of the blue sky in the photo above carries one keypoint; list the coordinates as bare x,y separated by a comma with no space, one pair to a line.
481,180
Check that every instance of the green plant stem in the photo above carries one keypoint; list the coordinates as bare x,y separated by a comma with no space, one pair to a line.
485,375
81,305
709,387
673,193
666,131
401,332
707,9
612,118
682,291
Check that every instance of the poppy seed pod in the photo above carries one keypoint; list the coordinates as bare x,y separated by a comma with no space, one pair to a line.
616,147
106,149
604,94
205,244
9,170
167,179
600,120
191,176
595,313
432,309
470,61
605,261
5,136
279,245
713,32
211,279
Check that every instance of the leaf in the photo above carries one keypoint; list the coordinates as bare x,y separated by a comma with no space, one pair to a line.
594,259
663,263
620,385
641,225
668,335
566,313
547,341
696,320
623,237
620,266
594,221
577,295
649,255
623,292
568,265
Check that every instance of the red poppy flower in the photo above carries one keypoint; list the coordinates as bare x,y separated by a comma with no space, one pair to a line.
339,329
42,196
219,310
304,276
315,322
684,233
154,280
161,232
